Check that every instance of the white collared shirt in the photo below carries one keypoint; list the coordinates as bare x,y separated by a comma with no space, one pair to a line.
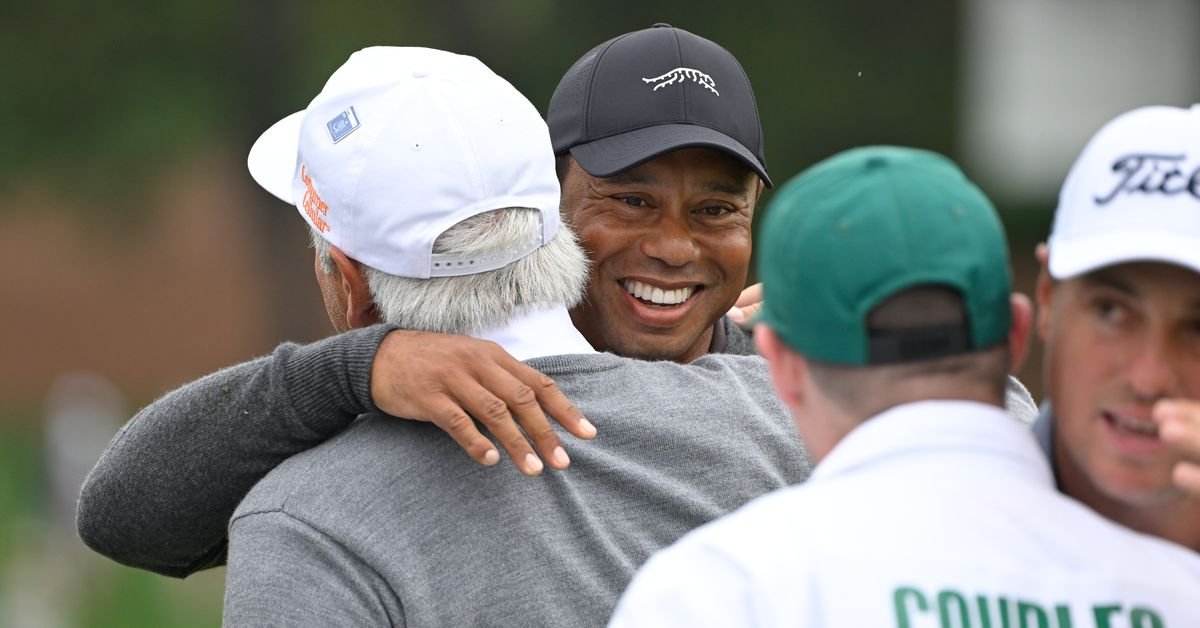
929,511
537,333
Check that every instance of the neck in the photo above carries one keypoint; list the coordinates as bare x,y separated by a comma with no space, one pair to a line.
534,333
706,342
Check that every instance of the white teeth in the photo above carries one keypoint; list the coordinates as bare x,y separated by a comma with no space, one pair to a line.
657,295
1140,426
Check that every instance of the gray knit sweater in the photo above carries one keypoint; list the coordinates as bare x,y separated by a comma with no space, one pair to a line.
162,494
389,523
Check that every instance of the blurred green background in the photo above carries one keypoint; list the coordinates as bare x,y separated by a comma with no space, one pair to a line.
138,255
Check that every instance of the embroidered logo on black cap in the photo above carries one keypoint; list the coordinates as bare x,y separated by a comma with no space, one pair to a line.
679,75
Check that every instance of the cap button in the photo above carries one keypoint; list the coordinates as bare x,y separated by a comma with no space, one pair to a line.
661,25
876,162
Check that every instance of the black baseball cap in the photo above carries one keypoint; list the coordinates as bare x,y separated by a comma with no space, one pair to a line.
650,92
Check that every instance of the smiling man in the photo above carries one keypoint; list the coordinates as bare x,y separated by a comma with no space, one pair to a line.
659,152
658,149
1119,311
661,159
670,247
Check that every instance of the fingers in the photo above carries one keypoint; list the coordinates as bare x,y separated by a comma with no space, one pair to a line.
744,316
448,379
750,296
747,306
493,413
1186,475
552,402
529,395
1179,427
461,427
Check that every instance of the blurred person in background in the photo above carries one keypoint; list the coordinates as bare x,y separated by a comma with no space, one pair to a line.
1119,311
927,500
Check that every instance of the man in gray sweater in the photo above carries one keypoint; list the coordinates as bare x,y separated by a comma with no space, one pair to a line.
430,184
162,495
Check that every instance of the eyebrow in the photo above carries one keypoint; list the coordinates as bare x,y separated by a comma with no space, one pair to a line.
1107,278
728,187
633,177
628,177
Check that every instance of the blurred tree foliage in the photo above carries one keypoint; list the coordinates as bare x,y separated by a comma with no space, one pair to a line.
100,96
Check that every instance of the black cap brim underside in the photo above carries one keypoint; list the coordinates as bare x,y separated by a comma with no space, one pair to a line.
607,156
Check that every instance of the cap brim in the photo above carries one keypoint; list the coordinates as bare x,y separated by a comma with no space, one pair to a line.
1078,255
272,159
610,155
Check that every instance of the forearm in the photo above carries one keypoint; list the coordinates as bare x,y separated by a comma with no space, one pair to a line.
161,495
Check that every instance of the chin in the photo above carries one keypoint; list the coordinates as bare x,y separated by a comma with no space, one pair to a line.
1141,490
647,351
649,346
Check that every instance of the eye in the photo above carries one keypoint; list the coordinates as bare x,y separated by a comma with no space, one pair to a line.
632,201
715,211
1109,310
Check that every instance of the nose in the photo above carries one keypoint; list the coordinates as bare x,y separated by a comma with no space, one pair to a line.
671,241
1151,371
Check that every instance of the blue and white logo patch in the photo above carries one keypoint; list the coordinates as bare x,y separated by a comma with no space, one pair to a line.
342,125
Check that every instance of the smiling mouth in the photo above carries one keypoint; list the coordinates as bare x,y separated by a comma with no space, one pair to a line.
656,297
1143,428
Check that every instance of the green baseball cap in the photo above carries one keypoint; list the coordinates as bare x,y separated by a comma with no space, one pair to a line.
843,236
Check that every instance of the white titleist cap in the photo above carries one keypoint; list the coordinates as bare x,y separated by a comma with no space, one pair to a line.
400,145
1133,195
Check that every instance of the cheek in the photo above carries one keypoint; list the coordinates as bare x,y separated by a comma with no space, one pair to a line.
605,240
592,241
732,253
1083,368
1190,378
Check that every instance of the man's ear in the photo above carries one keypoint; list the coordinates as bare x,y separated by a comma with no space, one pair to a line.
356,295
787,367
1020,331
1043,291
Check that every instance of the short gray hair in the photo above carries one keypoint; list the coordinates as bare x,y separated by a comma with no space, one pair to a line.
553,274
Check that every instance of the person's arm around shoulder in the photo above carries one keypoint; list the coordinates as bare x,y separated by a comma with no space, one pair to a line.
161,495
285,572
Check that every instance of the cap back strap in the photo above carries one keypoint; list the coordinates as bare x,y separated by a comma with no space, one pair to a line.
919,343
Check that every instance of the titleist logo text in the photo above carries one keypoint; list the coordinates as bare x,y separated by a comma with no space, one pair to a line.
1149,173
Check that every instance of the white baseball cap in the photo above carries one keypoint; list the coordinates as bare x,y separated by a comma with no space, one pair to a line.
1133,195
400,145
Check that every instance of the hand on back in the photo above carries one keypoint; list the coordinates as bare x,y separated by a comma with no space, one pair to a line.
446,380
